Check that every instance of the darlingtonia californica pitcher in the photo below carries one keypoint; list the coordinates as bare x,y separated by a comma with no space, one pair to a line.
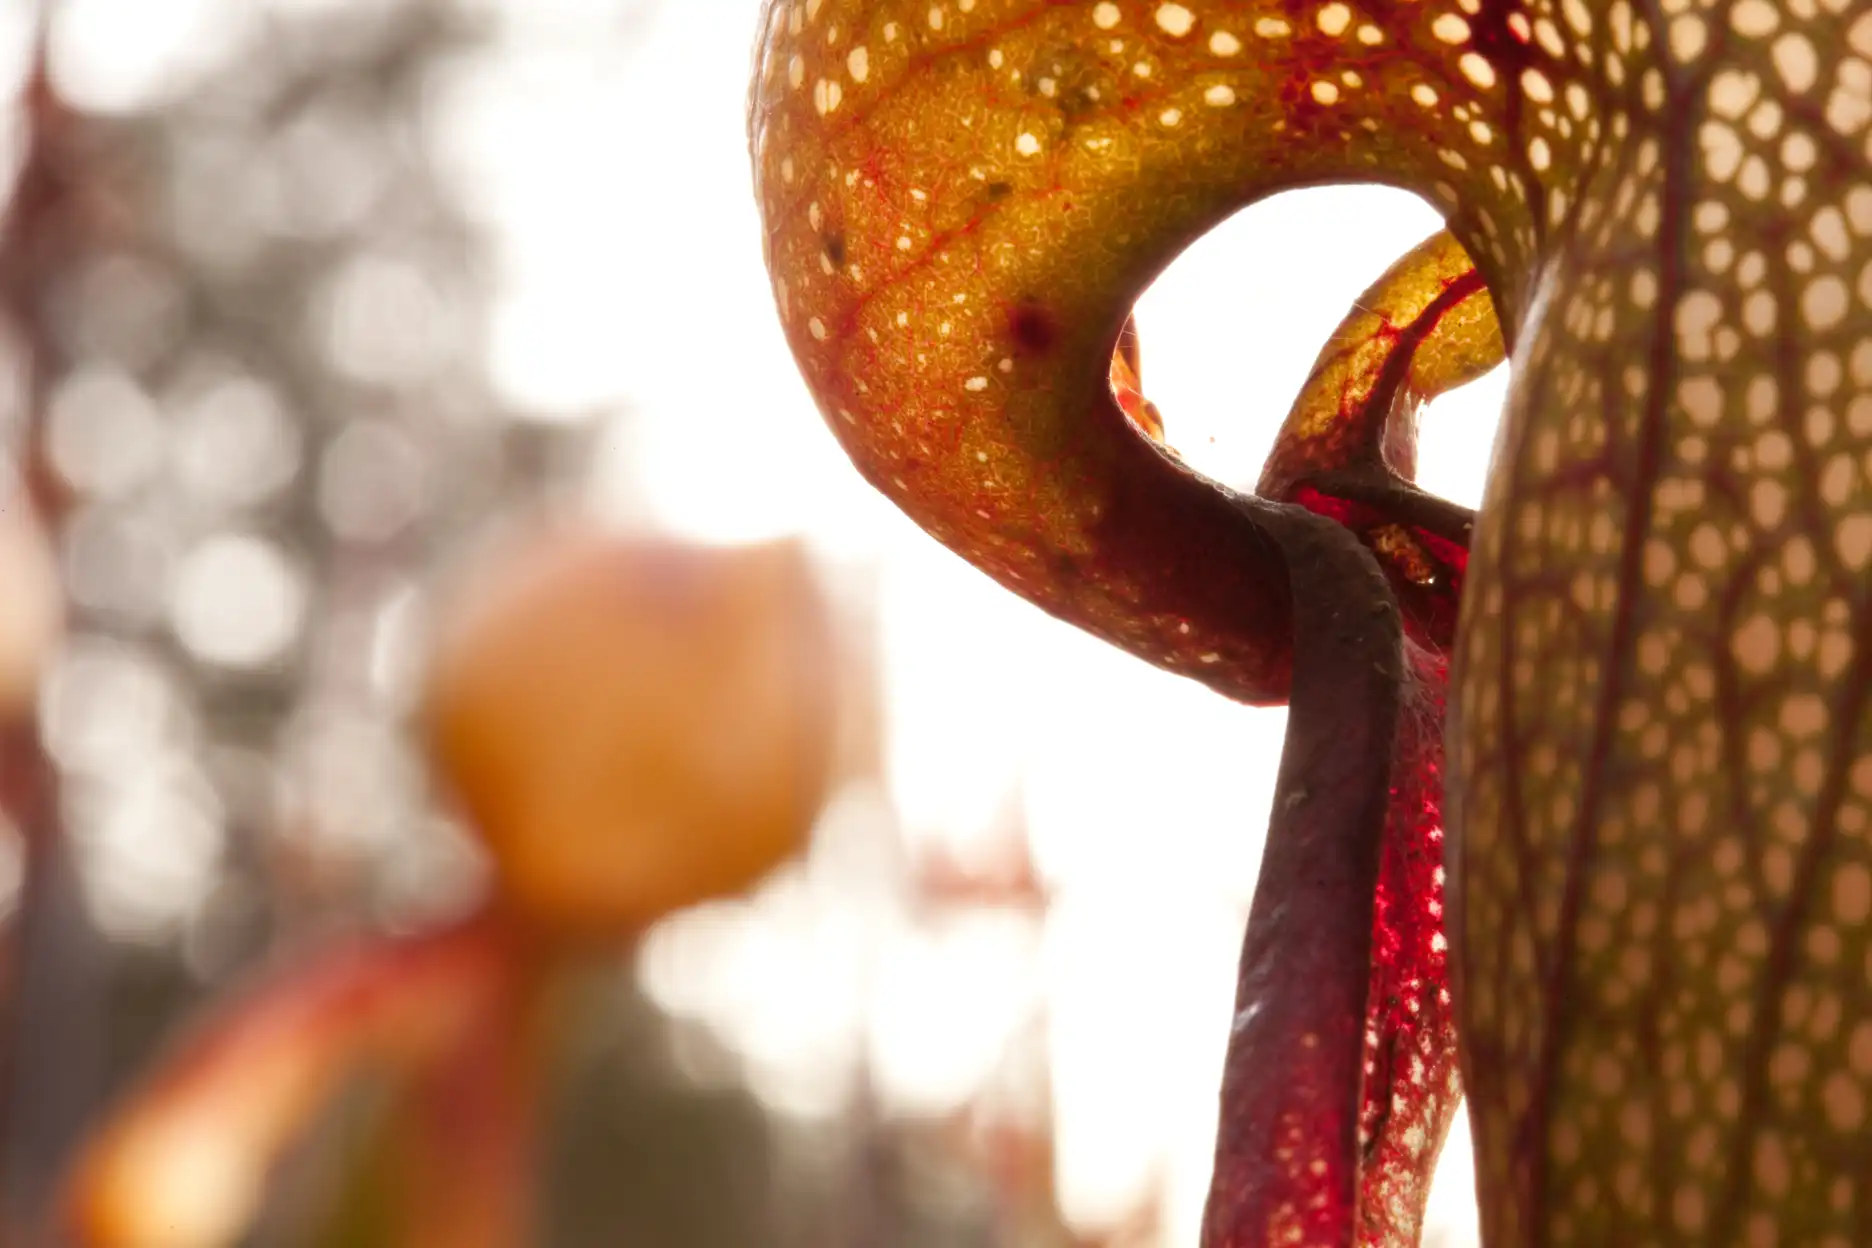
1654,819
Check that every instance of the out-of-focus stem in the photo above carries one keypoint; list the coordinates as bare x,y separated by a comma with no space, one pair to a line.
469,1150
185,1163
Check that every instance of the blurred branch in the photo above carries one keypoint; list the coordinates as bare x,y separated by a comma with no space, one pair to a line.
52,1049
471,1148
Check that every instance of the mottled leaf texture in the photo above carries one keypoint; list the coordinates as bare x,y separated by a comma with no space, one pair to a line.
1660,777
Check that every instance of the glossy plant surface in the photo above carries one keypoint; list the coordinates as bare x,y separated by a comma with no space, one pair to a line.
1660,862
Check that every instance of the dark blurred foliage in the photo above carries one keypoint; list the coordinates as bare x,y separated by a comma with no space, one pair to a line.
241,334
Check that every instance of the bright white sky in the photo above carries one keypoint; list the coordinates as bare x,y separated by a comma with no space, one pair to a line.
615,172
